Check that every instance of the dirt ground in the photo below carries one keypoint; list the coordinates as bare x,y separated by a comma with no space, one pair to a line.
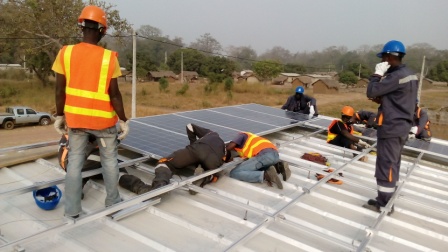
27,135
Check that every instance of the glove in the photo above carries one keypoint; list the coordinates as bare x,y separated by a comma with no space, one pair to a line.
364,144
124,128
411,136
381,68
60,125
311,111
414,130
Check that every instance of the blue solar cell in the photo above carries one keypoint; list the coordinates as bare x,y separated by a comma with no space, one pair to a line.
256,116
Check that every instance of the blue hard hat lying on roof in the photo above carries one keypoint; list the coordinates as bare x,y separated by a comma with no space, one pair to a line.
47,198
393,47
300,90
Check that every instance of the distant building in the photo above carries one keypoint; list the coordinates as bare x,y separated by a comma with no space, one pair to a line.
247,76
10,66
280,80
362,82
297,82
157,75
325,86
190,76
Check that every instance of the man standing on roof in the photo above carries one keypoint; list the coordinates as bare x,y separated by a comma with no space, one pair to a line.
421,129
206,148
301,103
89,102
394,87
262,160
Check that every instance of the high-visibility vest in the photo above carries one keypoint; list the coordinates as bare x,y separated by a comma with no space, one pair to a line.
253,145
332,136
88,71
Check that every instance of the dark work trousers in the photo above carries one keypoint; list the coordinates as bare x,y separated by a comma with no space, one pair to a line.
341,141
388,167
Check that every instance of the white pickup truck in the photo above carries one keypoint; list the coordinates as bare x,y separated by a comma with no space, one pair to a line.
23,115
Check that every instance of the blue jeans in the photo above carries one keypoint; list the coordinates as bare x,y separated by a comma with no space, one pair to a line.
107,143
252,169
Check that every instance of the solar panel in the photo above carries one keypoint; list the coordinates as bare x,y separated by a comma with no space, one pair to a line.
268,119
151,140
228,121
162,134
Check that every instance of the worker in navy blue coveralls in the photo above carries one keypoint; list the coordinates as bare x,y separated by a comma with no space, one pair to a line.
421,129
365,117
299,102
394,87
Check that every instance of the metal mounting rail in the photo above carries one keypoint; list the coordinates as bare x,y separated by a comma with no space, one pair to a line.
372,231
29,146
114,209
48,183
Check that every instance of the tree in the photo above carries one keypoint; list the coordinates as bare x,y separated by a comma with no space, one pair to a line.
52,23
149,31
439,72
207,43
278,53
243,55
193,60
295,68
348,77
268,69
217,68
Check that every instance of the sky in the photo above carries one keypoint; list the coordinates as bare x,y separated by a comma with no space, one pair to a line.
296,25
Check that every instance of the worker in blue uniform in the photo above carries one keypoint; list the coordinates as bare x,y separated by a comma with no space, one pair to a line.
394,86
302,103
421,129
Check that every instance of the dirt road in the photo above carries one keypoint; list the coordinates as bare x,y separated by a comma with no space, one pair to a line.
27,135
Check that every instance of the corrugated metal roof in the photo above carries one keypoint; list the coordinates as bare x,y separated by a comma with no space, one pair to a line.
231,215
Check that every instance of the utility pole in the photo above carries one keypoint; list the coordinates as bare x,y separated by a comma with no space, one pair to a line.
182,67
134,73
420,82
166,57
359,71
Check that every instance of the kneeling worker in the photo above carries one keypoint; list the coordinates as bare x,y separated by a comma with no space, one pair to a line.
262,160
340,131
421,129
206,148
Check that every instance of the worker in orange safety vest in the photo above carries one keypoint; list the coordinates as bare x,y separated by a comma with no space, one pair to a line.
88,102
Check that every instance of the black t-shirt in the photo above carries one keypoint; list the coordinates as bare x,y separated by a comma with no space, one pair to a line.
339,126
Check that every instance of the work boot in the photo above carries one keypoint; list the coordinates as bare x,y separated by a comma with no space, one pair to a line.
372,205
134,184
203,181
270,175
283,168
163,176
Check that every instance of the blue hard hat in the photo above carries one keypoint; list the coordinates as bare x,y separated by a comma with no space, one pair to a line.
392,47
300,90
47,198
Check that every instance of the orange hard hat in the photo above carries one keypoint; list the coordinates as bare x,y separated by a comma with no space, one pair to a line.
347,111
93,13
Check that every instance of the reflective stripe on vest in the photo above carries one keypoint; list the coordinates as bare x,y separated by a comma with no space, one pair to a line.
331,136
87,108
253,145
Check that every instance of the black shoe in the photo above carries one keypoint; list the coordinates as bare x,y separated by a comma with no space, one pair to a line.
283,168
270,175
372,202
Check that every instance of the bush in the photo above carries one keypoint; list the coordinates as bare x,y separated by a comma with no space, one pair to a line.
163,85
6,92
348,77
210,87
14,74
183,90
228,84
